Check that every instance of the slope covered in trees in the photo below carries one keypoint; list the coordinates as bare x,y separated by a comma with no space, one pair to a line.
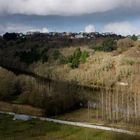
100,73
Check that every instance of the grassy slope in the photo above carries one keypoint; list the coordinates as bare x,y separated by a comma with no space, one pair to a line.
101,68
37,130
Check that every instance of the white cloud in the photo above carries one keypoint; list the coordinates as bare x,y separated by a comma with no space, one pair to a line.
42,30
62,7
90,28
20,28
123,28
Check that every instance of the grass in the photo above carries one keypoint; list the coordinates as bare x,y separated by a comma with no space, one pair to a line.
100,69
38,130
93,116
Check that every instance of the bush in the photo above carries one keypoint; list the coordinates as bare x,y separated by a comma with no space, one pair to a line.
134,38
10,36
108,45
56,54
8,85
73,60
29,57
62,60
77,53
84,56
124,44
75,63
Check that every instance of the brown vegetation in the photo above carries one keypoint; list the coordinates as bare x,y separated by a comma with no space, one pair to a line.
21,109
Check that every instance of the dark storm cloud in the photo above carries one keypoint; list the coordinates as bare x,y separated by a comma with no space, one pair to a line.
67,15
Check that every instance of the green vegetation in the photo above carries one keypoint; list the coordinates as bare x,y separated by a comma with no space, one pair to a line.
32,56
65,62
107,45
40,130
84,56
29,57
73,60
56,54
10,36
134,38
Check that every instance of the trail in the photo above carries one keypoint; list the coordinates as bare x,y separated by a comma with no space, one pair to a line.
78,124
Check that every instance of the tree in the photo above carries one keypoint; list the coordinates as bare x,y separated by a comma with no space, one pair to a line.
109,45
10,36
74,60
134,38
8,85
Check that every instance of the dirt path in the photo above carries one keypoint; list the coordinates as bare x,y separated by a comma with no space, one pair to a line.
79,124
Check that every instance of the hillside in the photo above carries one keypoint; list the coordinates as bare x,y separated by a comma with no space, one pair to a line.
62,75
102,61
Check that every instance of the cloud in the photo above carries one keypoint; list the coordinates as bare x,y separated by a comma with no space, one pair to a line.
20,28
90,28
42,30
123,28
63,7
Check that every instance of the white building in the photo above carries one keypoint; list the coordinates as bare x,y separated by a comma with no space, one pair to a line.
79,36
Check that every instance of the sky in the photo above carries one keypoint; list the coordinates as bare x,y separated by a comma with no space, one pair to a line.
116,16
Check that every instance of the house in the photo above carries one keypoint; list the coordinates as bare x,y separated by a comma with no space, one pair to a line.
78,36
22,117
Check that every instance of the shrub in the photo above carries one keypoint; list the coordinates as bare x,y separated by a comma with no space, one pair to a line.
134,38
108,45
56,54
62,59
84,56
73,60
8,85
77,53
124,44
29,57
75,63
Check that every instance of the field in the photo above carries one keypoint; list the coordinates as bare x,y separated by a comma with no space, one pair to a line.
38,130
93,116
